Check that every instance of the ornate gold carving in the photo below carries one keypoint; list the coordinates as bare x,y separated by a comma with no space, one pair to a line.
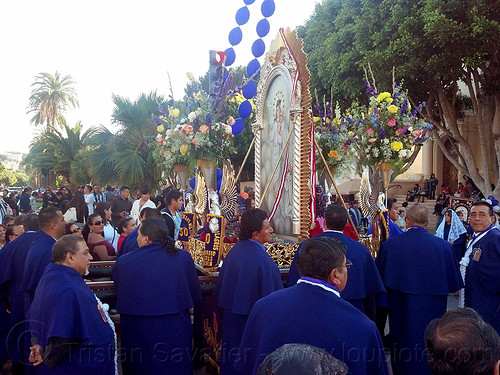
281,253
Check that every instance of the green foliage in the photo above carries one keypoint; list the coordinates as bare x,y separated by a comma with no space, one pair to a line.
60,152
7,178
51,96
125,157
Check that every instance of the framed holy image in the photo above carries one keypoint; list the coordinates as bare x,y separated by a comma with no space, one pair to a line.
462,207
283,144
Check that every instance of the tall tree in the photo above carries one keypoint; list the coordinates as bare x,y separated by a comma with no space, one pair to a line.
62,153
50,98
127,154
447,53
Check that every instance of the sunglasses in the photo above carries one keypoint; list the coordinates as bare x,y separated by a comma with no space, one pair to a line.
76,230
98,223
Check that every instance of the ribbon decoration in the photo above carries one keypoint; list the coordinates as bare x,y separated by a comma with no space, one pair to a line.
285,166
312,163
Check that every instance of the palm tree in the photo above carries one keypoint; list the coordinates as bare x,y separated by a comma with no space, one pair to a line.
50,98
65,155
127,154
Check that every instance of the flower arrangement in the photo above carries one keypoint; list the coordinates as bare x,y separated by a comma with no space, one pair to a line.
331,134
189,133
388,130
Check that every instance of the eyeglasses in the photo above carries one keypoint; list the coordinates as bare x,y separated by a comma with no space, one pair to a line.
76,230
348,264
98,222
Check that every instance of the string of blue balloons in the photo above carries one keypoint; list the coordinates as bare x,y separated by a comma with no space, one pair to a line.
258,48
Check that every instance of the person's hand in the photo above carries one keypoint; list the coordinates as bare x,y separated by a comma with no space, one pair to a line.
35,357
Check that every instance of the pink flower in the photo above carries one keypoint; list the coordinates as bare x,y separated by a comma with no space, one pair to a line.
417,133
231,121
204,128
161,140
188,129
399,132
369,131
371,140
195,142
391,122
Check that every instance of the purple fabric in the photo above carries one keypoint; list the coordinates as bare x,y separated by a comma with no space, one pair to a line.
64,306
482,281
311,315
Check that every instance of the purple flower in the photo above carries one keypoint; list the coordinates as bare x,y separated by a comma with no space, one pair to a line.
157,120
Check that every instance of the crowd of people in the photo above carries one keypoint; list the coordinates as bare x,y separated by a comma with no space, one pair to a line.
338,301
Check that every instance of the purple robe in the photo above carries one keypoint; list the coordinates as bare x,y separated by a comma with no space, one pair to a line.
12,260
155,291
247,274
419,270
482,279
65,307
363,277
39,256
314,315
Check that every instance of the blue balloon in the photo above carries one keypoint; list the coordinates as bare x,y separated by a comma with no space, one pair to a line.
263,28
253,68
192,182
230,56
238,126
242,15
267,8
235,36
245,109
250,90
248,2
258,48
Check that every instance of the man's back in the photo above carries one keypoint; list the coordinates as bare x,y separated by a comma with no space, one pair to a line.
312,315
364,279
419,270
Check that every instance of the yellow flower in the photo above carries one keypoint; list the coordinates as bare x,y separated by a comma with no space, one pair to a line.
333,154
382,96
328,120
183,149
198,95
190,76
389,100
392,109
316,119
174,112
396,146
198,112
160,128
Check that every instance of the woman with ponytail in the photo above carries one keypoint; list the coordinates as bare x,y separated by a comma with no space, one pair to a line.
156,286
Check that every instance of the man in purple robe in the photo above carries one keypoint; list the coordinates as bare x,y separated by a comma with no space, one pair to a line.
248,273
70,331
12,260
481,264
312,312
419,270
364,279
52,226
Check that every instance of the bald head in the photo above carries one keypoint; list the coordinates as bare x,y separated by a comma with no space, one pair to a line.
417,215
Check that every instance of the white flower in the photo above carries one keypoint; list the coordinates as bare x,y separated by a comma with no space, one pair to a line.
191,116
158,136
386,141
